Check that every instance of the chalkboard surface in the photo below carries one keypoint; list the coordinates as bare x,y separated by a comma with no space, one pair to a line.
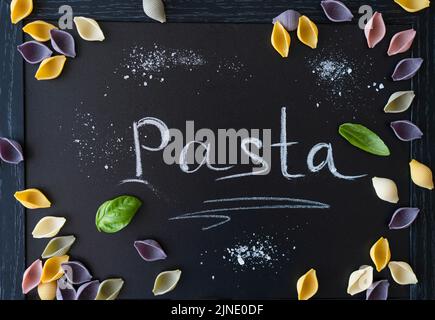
80,147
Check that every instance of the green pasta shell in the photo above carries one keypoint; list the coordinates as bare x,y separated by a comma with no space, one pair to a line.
364,139
114,215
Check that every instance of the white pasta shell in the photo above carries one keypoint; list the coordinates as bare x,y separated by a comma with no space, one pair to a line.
360,280
109,289
166,281
48,227
154,9
402,273
88,29
399,101
386,189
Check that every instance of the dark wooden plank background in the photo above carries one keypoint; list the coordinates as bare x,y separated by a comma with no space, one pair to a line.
12,261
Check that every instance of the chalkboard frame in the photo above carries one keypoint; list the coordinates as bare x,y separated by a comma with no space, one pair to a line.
12,178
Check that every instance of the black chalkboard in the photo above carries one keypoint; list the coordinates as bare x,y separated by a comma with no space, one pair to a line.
80,146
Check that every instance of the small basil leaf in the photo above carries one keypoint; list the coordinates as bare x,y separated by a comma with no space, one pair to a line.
363,138
114,215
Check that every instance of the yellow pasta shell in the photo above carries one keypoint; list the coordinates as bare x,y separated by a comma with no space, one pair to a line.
50,68
52,269
166,282
307,32
47,291
413,5
48,227
88,29
421,174
380,253
39,30
32,199
109,289
402,273
20,9
307,285
280,39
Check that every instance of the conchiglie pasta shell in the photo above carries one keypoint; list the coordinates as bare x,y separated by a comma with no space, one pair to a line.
166,282
386,189
50,68
421,175
20,9
88,29
154,9
47,291
109,289
52,269
48,227
307,32
32,199
413,5
39,30
380,253
402,273
32,276
280,39
58,246
360,280
399,101
307,285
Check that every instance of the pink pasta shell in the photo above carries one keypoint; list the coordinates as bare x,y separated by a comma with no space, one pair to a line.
375,30
32,276
401,42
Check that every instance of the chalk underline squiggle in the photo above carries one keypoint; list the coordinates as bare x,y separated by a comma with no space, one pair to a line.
210,213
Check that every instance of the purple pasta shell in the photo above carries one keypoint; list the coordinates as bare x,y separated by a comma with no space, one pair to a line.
63,42
405,130
378,290
34,52
10,151
76,272
406,69
403,218
65,290
88,290
150,250
289,19
336,11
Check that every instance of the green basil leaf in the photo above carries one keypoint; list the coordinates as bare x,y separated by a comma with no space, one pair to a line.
116,214
363,138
